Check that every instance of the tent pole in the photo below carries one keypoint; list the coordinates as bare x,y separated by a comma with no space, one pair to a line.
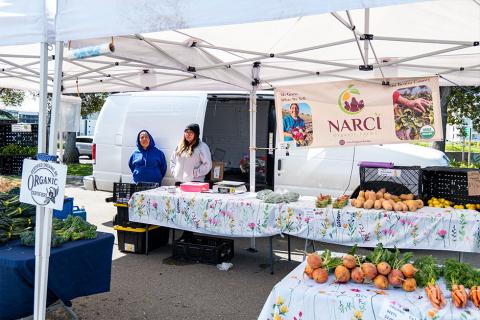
253,131
330,63
40,211
461,43
424,55
366,30
356,38
52,150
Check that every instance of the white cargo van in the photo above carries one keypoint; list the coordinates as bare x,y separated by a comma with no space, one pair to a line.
224,121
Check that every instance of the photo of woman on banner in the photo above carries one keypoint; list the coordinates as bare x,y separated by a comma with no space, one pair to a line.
297,128
413,113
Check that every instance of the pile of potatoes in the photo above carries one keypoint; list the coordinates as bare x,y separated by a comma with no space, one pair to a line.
380,273
383,200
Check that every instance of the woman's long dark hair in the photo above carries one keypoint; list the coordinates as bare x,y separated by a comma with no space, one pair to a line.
184,146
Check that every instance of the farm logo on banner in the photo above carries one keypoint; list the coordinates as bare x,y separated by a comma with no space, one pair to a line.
43,183
350,106
352,113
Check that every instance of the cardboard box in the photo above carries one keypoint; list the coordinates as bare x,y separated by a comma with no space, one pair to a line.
217,171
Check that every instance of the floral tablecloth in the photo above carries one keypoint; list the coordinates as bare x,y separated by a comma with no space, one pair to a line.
239,215
243,215
299,298
428,228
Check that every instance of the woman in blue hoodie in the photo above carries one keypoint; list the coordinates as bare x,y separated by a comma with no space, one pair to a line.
147,163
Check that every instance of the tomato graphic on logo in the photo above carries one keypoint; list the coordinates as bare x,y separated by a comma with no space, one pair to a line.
347,101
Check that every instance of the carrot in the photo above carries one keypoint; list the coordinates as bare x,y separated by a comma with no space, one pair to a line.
432,295
441,296
458,294
456,300
478,297
474,296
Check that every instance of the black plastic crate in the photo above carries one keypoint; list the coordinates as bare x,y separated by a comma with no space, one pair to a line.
121,218
132,238
12,164
397,180
449,183
203,249
24,139
123,191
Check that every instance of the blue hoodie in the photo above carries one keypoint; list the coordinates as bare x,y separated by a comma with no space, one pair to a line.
147,165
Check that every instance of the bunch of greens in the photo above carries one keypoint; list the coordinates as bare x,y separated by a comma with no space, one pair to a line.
428,270
459,273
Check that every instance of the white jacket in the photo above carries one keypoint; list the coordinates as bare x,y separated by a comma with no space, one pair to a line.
186,168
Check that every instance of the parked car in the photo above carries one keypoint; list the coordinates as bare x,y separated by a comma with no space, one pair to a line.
84,145
224,121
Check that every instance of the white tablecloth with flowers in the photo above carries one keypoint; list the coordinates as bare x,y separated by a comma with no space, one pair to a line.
243,215
239,215
299,298
428,228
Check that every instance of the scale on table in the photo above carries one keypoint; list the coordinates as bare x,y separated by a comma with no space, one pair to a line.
229,187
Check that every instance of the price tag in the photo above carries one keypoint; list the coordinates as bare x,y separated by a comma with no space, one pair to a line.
310,214
395,311
390,172
21,127
473,183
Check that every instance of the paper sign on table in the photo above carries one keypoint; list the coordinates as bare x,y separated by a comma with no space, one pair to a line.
395,311
473,183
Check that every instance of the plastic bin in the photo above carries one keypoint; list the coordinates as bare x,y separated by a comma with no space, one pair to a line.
66,211
132,238
77,212
203,249
449,183
121,218
12,164
396,180
123,191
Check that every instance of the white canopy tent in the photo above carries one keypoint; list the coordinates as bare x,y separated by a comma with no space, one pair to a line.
297,41
23,28
377,44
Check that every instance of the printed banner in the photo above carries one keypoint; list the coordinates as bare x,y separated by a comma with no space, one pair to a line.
349,113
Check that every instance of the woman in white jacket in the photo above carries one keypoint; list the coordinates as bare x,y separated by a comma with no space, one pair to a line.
191,160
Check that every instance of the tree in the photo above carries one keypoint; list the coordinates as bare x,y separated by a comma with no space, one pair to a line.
464,103
12,97
91,103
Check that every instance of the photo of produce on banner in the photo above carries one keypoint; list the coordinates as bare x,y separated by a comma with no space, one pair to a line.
413,113
297,123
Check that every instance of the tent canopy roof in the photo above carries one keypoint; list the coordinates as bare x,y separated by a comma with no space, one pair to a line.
411,39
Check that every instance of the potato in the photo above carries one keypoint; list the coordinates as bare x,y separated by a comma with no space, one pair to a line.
361,194
386,205
406,196
379,195
404,206
371,196
359,203
397,206
420,204
412,205
368,204
377,204
387,196
395,198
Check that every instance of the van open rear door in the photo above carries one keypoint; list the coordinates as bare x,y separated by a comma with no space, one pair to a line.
164,115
